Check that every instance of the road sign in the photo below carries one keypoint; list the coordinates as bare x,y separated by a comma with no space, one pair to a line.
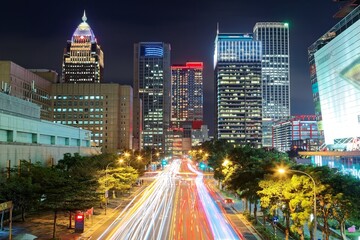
275,219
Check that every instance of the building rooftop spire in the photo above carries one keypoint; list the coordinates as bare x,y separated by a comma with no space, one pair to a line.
84,18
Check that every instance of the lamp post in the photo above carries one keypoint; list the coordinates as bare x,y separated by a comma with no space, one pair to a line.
282,171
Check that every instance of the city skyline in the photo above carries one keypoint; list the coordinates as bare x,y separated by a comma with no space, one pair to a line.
31,34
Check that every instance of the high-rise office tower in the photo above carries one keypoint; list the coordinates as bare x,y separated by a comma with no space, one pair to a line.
274,37
186,104
187,92
237,62
83,60
152,84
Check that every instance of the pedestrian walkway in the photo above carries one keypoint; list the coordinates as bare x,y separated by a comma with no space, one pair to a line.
40,225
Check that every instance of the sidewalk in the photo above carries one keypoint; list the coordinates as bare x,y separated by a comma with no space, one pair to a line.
41,224
239,208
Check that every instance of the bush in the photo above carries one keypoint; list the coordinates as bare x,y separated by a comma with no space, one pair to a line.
265,233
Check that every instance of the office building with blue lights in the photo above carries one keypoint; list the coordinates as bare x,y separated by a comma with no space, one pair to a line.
152,85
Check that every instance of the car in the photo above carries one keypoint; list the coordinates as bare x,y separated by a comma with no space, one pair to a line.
229,201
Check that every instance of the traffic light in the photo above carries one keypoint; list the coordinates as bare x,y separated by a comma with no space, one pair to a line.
79,222
163,162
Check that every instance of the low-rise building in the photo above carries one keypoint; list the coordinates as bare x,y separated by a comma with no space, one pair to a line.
287,132
24,136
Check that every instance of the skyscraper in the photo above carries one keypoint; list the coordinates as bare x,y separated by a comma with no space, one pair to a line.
237,62
274,37
83,60
152,84
186,105
187,92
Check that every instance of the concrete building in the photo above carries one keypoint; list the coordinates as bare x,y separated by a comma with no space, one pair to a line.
275,74
186,104
237,62
83,60
152,84
30,85
24,136
297,128
104,109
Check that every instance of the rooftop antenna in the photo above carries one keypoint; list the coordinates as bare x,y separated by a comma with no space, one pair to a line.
217,28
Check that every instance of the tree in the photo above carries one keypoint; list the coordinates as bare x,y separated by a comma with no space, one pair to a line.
300,195
250,167
118,178
19,189
70,186
272,198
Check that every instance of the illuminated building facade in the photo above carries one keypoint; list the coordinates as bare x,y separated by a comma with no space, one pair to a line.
187,92
104,109
83,60
152,84
186,102
296,129
334,73
274,37
24,136
237,62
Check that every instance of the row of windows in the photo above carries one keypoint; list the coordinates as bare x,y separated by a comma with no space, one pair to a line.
78,110
78,97
59,116
70,103
79,122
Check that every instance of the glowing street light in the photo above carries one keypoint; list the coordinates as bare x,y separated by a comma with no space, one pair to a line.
226,162
282,171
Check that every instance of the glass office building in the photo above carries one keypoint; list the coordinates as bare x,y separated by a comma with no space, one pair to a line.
237,63
274,37
152,84
335,75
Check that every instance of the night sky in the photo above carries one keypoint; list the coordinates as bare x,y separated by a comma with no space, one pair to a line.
34,34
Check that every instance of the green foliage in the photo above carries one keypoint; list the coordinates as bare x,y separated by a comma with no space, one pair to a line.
265,233
21,191
120,179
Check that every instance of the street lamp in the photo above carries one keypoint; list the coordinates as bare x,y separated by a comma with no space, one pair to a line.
282,171
226,162
139,157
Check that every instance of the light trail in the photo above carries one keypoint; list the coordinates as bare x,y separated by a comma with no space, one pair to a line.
149,218
221,229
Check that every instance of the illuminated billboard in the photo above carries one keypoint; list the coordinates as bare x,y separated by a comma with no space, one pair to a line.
338,85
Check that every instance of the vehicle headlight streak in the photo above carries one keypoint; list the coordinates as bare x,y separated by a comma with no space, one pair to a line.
148,218
220,228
